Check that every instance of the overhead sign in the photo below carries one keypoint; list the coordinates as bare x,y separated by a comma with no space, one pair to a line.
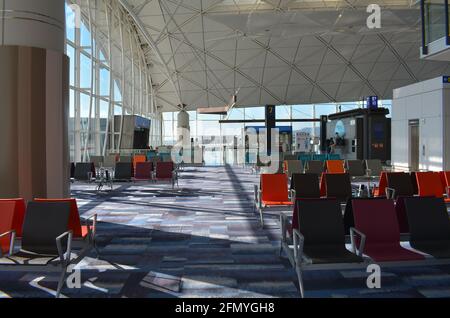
372,102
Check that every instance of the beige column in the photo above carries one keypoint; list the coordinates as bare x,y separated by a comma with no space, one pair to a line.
34,100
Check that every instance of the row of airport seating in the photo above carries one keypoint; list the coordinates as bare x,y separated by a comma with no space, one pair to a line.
305,157
318,239
127,171
423,183
44,235
356,168
110,161
274,191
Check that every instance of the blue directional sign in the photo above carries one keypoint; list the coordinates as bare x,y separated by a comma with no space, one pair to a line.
372,102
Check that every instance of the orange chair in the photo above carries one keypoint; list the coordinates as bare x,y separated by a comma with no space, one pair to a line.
273,193
380,191
335,166
138,158
429,184
81,232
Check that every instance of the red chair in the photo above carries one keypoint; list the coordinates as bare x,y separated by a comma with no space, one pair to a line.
335,166
85,232
165,171
8,212
19,214
143,171
446,175
273,193
377,227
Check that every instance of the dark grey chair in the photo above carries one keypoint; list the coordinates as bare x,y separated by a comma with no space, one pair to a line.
83,170
305,185
126,159
290,157
123,171
399,184
293,166
314,166
338,186
429,225
318,238
373,167
355,168
46,242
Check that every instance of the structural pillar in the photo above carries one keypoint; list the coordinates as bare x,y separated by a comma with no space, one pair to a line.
270,124
34,103
183,134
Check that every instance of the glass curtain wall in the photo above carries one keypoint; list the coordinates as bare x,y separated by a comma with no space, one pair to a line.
108,77
218,138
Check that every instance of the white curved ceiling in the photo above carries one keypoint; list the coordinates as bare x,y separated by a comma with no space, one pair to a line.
278,51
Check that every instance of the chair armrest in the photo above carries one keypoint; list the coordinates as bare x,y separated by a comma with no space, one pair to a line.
12,234
360,250
390,193
299,242
283,223
293,195
92,219
69,235
255,193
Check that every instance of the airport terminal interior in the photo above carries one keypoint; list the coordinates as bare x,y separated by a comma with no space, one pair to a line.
224,149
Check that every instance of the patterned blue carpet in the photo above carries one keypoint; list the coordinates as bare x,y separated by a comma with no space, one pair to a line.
202,239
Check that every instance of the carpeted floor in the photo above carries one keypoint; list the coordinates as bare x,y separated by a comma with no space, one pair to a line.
202,239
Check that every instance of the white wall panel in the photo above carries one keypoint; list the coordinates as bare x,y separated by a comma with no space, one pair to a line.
424,101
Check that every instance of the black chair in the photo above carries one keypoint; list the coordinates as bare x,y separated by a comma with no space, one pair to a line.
46,241
83,170
305,185
319,238
399,184
123,171
320,224
429,225
337,186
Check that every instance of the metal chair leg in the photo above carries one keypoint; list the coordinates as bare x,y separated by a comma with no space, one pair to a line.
261,218
300,281
61,282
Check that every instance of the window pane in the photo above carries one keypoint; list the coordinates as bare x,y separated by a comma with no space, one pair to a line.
85,71
255,113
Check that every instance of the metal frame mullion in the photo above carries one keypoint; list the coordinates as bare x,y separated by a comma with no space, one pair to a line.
111,83
91,98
